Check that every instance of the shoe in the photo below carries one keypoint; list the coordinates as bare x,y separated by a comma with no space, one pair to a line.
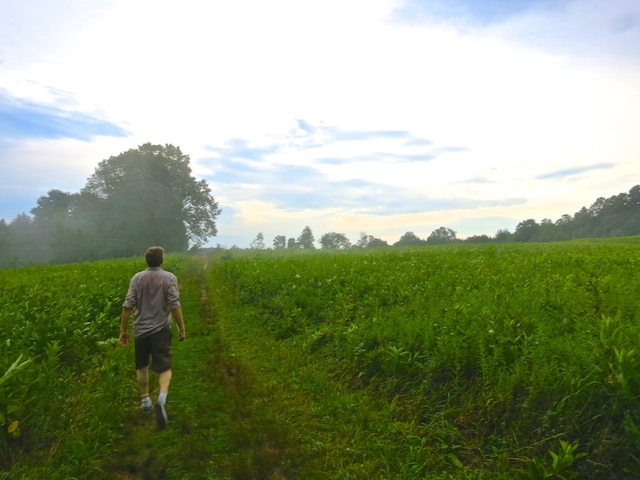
146,405
161,415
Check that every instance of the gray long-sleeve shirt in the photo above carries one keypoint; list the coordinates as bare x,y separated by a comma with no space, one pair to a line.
154,294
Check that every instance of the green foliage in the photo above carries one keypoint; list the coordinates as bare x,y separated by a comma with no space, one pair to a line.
13,402
523,342
452,362
559,467
61,364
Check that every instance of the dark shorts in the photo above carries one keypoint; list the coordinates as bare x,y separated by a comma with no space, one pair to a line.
155,347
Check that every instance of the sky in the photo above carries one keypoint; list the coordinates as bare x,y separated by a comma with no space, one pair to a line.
348,116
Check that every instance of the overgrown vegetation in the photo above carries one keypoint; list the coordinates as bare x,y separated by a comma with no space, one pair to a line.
489,357
453,362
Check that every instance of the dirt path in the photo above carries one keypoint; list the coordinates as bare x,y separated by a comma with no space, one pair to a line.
221,423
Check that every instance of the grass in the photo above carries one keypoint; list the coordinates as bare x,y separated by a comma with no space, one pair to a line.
440,363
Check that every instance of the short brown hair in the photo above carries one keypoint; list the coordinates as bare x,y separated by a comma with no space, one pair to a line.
154,256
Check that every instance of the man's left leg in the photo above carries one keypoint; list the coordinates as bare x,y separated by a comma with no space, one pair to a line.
164,379
162,364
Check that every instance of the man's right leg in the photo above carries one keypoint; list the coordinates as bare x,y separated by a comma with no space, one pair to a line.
164,379
142,375
143,353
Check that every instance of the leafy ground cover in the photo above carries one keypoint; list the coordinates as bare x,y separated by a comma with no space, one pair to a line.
452,362
488,357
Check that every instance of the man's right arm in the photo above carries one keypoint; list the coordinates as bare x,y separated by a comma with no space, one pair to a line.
124,324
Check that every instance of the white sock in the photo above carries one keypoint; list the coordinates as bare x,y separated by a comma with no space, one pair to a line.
162,398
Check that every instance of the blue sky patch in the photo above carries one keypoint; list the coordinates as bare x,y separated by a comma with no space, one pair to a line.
568,172
239,148
22,119
484,12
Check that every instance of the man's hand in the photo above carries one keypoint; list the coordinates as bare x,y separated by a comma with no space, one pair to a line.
182,335
124,323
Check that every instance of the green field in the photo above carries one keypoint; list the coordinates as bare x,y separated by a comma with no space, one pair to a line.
448,362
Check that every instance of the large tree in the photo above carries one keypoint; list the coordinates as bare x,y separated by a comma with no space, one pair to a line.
147,196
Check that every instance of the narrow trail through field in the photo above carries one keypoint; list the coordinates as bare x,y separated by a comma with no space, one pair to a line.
221,418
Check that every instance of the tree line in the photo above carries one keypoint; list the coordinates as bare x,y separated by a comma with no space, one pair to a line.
148,196
144,196
616,216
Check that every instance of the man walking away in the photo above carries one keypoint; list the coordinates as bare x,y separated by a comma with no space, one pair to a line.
153,293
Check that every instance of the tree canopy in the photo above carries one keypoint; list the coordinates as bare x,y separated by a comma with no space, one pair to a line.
441,235
333,240
306,238
144,196
409,239
369,241
149,194
279,242
258,242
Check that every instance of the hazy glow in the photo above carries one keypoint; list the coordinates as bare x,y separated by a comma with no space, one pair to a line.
345,115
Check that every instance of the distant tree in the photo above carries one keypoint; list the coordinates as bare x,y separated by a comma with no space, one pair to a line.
503,235
5,244
333,240
291,243
409,239
279,242
364,240
56,204
258,242
26,246
478,239
377,243
632,211
60,230
369,241
306,239
547,231
583,223
526,231
147,196
564,228
441,235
